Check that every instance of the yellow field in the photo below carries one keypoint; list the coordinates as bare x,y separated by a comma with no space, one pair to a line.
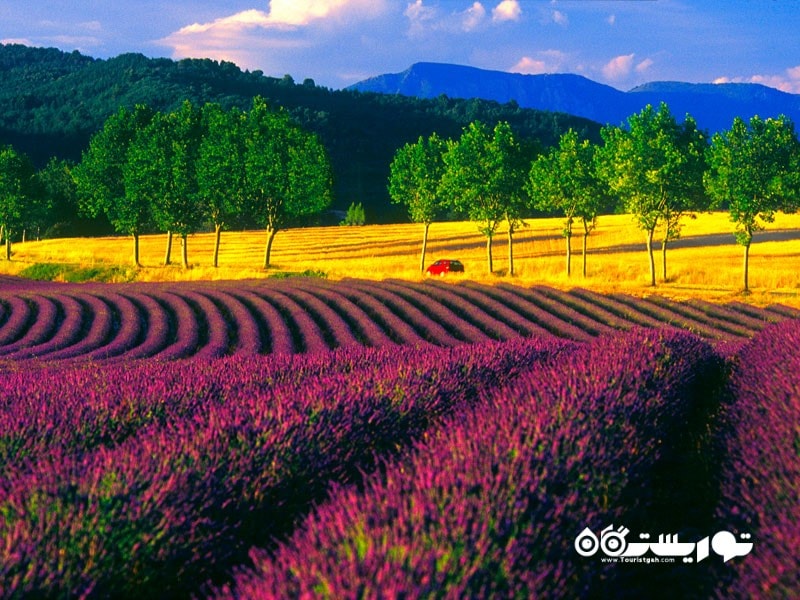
706,262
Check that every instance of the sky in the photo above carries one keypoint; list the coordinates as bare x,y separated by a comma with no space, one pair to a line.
336,43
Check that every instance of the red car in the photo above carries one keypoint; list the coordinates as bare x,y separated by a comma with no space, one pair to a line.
444,266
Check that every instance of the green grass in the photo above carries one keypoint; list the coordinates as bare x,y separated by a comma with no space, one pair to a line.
77,274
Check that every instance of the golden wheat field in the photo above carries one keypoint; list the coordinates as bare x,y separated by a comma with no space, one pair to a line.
706,262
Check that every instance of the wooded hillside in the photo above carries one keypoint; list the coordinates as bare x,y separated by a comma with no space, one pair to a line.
51,102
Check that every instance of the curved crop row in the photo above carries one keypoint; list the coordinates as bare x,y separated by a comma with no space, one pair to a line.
55,322
366,329
163,511
582,442
760,481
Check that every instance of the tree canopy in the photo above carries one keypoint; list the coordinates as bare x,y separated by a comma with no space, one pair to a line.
415,178
754,172
565,180
655,166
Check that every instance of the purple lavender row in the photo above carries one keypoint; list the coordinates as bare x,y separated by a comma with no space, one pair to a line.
41,329
760,480
491,502
592,310
669,317
276,330
310,337
624,311
509,296
108,404
247,332
178,504
368,331
95,334
432,306
429,329
544,297
333,325
378,312
750,325
470,307
214,339
17,323
66,330
156,328
722,327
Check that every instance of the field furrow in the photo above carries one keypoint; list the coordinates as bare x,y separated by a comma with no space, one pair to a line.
468,305
244,330
43,324
534,312
308,336
429,329
366,329
275,331
19,317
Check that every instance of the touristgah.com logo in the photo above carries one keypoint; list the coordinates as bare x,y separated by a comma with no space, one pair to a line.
616,548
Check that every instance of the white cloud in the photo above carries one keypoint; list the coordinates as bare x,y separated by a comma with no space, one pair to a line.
560,18
548,61
473,16
612,20
644,65
619,67
244,37
529,66
507,10
789,83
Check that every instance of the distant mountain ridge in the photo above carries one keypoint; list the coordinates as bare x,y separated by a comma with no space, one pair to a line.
713,106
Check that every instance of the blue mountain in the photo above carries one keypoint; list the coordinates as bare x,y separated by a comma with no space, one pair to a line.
713,106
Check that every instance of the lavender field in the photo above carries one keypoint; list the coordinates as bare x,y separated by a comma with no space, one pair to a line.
307,438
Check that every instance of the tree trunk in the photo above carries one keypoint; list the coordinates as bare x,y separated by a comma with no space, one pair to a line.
270,237
24,232
664,260
489,253
8,247
568,237
585,239
184,251
424,248
217,236
136,250
168,253
510,249
650,233
746,265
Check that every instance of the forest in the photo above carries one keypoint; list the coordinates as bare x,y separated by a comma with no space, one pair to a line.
52,102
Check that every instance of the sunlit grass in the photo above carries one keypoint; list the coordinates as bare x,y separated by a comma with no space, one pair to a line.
706,262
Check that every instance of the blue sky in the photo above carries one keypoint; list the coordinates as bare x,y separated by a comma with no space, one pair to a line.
621,43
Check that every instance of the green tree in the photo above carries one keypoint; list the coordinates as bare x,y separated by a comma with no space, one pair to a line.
17,193
415,176
161,168
220,168
355,215
100,179
59,195
484,179
287,174
753,170
566,180
656,168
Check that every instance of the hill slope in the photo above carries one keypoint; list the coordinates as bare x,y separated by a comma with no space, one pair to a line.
712,105
51,102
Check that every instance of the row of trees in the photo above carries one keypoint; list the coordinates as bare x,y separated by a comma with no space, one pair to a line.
178,172
181,170
655,168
